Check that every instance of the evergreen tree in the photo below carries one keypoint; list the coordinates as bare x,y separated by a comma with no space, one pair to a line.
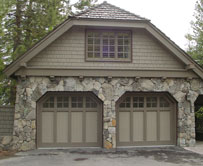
5,58
23,23
195,46
84,4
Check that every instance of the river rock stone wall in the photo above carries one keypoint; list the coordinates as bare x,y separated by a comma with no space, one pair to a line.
109,90
5,142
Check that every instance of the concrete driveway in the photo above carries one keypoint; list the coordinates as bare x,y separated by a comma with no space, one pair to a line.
198,148
165,156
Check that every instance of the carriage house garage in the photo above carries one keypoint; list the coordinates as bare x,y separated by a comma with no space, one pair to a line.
105,78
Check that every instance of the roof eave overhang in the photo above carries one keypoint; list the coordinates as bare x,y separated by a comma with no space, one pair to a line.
65,26
176,49
103,19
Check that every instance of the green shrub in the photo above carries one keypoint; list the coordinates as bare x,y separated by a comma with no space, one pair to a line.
199,113
199,120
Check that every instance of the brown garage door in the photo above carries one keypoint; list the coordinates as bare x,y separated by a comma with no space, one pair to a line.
69,119
146,119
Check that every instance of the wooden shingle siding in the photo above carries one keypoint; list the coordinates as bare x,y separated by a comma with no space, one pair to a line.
6,121
69,51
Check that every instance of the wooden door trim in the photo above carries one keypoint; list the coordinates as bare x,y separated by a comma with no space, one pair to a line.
158,109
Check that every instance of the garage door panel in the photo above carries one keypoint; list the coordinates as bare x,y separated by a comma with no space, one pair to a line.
138,126
91,127
62,127
151,131
124,126
165,126
146,119
76,127
47,127
69,119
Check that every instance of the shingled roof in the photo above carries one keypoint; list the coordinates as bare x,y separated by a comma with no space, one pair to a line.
108,11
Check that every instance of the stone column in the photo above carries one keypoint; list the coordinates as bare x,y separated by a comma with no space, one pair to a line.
184,123
191,98
109,126
24,119
186,120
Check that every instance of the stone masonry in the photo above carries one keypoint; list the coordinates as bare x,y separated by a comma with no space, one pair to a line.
109,91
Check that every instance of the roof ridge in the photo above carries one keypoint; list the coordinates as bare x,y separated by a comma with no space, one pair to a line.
88,9
106,3
125,10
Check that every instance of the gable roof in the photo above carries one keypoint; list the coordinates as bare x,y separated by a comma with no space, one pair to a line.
97,16
108,11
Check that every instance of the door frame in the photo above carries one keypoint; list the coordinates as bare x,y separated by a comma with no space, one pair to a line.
167,96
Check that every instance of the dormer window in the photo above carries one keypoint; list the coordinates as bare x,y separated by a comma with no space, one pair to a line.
108,45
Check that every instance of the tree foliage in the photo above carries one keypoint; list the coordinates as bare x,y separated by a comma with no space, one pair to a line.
84,4
23,23
195,46
199,113
199,120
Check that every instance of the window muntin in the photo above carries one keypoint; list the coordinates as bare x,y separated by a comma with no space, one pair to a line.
108,45
77,102
151,101
62,102
125,103
123,45
138,102
90,103
49,103
164,102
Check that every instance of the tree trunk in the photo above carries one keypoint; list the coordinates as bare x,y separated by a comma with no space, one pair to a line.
18,19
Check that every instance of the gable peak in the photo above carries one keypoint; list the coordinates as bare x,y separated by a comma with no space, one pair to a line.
106,10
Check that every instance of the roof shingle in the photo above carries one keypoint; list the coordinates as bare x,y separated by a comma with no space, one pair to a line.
108,11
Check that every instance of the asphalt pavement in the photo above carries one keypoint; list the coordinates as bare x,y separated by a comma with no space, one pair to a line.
139,156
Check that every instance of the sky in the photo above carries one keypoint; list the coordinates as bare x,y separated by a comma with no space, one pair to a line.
172,17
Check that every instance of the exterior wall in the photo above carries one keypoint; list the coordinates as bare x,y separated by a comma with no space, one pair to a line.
69,51
109,91
6,127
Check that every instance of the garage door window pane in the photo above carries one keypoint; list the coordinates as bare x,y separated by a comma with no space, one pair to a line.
65,104
59,105
59,102
164,102
77,102
138,102
151,102
49,103
90,103
125,103
62,102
